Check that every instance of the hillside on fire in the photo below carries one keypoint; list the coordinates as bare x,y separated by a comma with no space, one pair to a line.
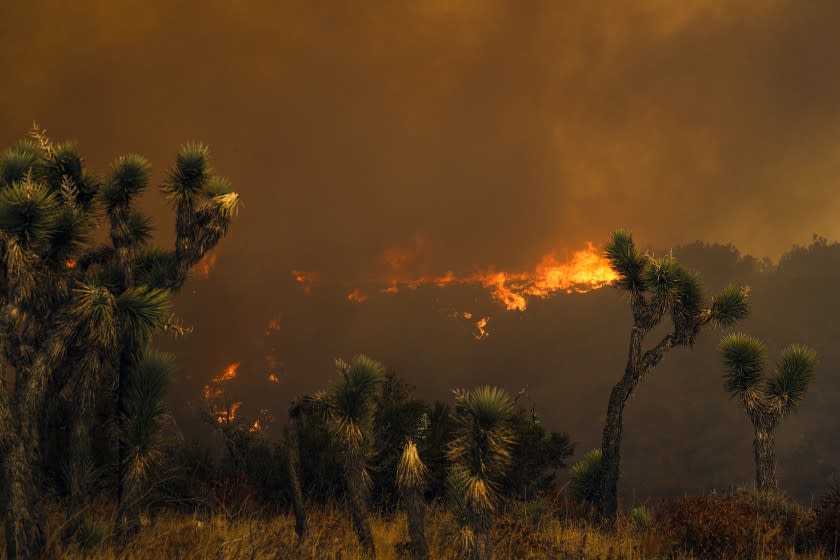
456,279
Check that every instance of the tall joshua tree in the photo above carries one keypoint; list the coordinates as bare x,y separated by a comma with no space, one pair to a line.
72,312
766,400
349,405
479,455
411,480
658,287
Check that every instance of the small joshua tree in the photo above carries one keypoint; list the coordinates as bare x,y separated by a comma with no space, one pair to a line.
349,406
479,455
766,400
657,287
411,480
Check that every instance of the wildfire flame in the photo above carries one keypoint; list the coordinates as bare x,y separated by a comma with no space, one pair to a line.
273,326
481,325
229,373
203,267
306,279
356,296
273,378
587,270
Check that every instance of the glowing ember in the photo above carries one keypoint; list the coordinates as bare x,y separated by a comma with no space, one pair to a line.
203,267
230,373
273,327
70,263
356,296
306,279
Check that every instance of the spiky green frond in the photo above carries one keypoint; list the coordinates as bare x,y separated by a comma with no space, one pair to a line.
29,212
66,164
218,186
794,373
730,305
663,277
585,477
141,312
18,161
743,360
352,399
156,268
480,451
95,307
145,391
129,177
190,174
411,471
625,260
71,233
140,227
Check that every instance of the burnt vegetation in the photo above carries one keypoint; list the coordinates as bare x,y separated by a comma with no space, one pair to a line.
92,462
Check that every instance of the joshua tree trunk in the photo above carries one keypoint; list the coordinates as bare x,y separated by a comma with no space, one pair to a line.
765,460
638,364
293,448
415,510
482,545
24,515
353,469
77,482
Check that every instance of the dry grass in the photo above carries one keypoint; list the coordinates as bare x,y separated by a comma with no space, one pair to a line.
525,532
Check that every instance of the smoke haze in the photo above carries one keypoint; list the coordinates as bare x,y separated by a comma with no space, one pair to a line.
459,135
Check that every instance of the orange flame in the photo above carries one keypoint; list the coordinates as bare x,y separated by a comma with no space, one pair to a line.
70,263
356,296
228,414
306,279
255,427
230,373
273,326
273,378
481,325
203,267
587,270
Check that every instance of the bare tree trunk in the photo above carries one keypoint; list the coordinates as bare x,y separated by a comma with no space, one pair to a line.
24,515
353,467
77,479
293,449
765,460
607,501
415,511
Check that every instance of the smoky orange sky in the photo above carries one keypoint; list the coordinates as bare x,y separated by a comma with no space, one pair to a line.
475,133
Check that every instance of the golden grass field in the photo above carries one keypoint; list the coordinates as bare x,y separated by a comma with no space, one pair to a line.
530,532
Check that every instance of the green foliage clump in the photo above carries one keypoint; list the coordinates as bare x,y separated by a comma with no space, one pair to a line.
585,477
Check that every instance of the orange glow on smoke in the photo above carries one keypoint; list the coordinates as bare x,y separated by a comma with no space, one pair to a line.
203,267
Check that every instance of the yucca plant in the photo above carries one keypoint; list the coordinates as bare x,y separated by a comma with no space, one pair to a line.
145,414
411,480
479,455
349,407
585,477
766,400
75,316
658,287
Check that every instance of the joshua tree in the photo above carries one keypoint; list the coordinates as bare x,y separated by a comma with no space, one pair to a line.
766,400
480,454
349,406
657,287
72,312
145,412
411,480
296,412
